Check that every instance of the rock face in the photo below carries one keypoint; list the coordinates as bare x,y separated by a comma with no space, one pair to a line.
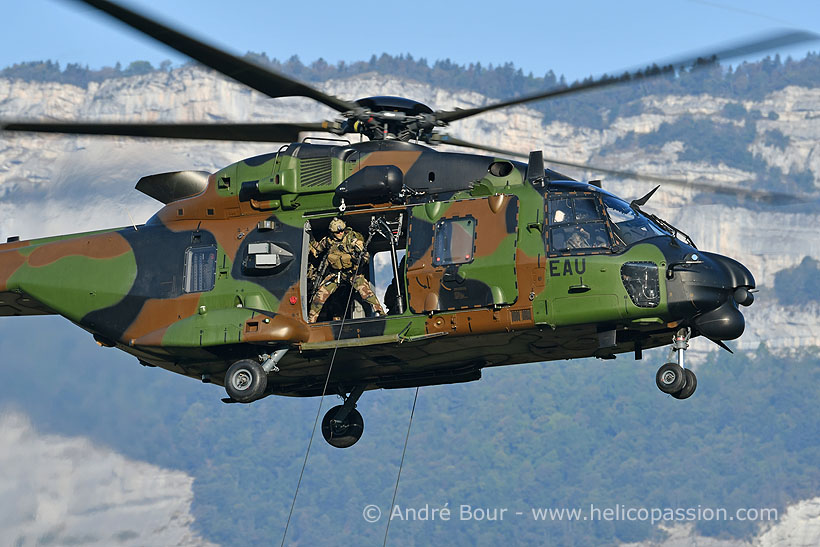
57,490
45,180
799,526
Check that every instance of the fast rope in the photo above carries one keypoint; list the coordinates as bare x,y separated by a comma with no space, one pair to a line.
401,465
322,398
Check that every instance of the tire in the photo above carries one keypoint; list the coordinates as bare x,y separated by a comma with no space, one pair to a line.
245,381
689,388
346,433
670,378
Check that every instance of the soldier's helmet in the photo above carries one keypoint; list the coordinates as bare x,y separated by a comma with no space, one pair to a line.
337,225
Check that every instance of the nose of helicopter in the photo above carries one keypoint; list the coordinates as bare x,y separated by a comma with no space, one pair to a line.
707,288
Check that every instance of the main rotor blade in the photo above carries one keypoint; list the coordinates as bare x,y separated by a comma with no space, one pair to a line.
740,49
259,78
440,138
773,198
261,132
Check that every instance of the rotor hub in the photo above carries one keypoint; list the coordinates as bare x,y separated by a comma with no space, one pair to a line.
387,117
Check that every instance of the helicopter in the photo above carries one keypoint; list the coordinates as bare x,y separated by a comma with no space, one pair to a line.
493,261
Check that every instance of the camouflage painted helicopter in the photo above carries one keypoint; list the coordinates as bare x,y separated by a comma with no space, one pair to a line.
504,262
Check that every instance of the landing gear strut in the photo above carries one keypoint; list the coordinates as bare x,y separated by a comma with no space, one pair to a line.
343,425
673,378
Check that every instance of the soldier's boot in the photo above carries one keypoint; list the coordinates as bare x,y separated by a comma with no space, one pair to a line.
375,304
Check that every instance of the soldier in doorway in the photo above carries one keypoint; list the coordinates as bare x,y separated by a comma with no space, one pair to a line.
344,251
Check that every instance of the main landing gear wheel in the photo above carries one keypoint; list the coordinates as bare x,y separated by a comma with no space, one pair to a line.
342,433
246,381
670,378
690,386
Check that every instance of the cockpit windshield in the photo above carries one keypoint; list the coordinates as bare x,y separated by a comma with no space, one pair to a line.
629,226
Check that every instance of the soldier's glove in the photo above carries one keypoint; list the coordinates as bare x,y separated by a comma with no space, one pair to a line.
360,257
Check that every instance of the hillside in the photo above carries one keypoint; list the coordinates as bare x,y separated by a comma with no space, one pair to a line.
553,435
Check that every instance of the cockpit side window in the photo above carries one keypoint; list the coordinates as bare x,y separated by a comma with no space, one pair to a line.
628,226
586,209
577,225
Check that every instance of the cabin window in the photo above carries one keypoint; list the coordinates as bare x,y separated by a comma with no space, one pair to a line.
577,225
454,241
200,268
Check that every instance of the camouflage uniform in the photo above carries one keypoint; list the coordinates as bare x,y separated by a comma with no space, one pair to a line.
342,261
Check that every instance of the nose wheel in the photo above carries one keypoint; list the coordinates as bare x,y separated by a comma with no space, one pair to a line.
689,386
673,378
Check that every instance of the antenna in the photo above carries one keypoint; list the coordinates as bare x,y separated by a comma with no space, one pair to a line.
127,212
535,167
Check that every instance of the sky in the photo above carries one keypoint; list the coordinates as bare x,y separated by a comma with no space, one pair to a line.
576,39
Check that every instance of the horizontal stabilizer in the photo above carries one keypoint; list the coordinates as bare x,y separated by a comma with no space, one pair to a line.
15,304
169,187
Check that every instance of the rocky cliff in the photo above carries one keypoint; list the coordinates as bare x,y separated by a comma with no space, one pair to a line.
799,526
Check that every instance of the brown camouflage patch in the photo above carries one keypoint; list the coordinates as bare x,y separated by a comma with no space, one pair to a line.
13,245
285,307
479,321
110,245
214,213
227,233
403,159
10,262
157,315
531,277
277,328
433,287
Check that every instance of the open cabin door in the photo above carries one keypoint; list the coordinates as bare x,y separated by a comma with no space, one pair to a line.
461,254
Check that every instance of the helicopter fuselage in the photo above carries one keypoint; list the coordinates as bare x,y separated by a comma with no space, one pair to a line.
491,266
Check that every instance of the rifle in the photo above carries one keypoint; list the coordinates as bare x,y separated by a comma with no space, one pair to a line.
320,275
